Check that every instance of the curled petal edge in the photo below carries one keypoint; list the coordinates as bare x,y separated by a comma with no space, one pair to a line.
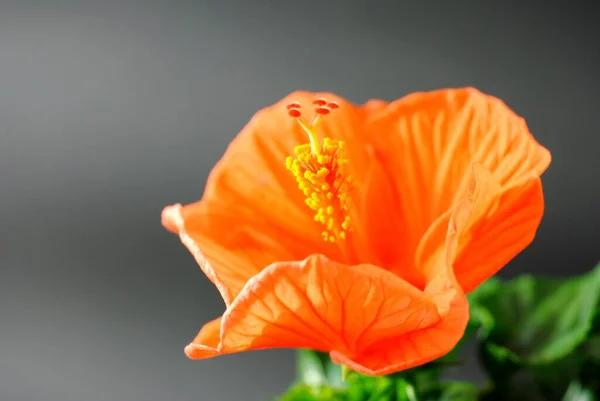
172,220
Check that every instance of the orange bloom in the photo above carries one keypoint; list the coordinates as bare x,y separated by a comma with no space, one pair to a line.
357,230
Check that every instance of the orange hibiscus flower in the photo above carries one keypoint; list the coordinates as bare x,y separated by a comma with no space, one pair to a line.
357,230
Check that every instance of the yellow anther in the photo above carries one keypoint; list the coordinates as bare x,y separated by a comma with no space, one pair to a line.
320,170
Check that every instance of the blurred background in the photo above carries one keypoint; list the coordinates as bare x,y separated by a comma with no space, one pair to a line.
110,110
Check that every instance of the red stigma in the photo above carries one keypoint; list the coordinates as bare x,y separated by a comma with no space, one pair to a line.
333,105
293,105
322,110
294,112
319,102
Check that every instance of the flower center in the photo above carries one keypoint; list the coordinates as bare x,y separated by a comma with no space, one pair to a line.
320,170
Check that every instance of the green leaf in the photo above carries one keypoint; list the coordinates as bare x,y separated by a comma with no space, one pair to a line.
534,320
536,335
481,316
318,380
590,371
304,392
459,391
316,368
578,392
405,391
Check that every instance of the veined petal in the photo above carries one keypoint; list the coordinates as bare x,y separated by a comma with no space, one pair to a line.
498,237
427,143
502,223
418,347
413,348
252,213
323,305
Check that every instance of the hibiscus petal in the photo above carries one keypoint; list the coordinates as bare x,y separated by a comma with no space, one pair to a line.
413,348
481,190
502,223
501,235
380,220
232,269
252,213
206,342
323,305
427,143
418,347
373,105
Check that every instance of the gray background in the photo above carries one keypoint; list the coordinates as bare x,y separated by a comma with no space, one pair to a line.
110,110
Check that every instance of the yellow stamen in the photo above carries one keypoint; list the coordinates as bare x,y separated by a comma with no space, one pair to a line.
320,170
